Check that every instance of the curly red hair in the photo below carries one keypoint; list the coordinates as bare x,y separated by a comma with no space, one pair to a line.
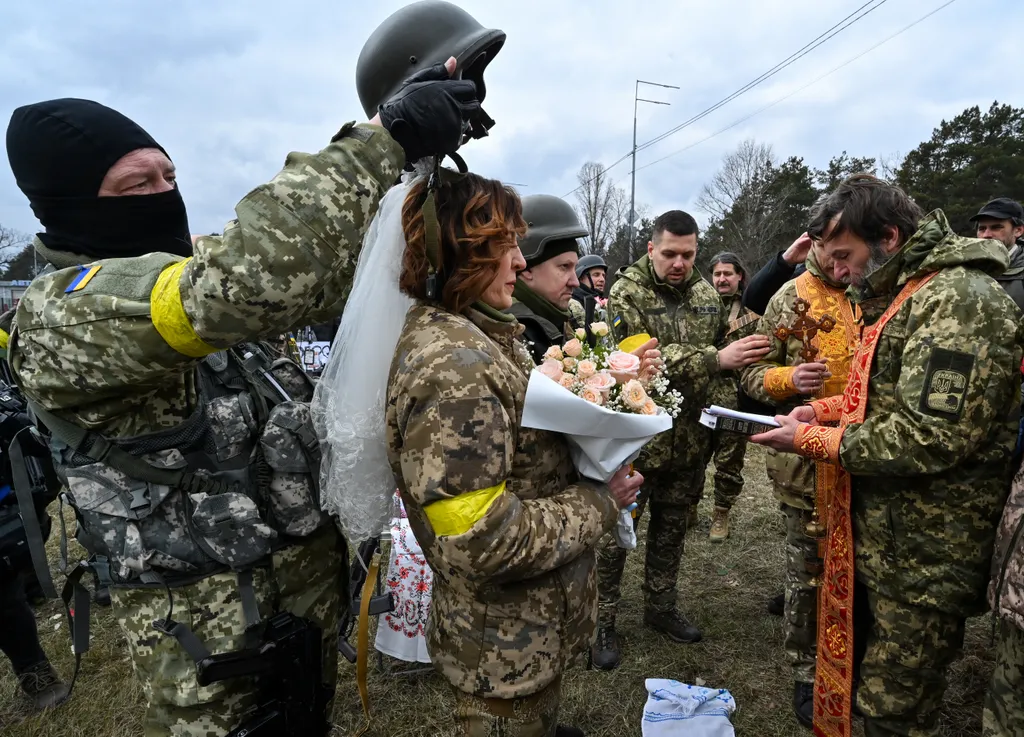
479,220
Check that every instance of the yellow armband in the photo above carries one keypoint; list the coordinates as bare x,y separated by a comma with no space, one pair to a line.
457,515
169,317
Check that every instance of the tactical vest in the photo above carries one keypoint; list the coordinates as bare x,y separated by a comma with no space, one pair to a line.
223,489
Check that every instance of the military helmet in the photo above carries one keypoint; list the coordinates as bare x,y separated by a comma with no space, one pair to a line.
548,219
588,262
416,37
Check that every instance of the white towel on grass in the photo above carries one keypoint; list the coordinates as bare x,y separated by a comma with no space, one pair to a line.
676,709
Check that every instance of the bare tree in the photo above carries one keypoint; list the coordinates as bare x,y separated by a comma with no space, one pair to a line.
12,243
745,200
601,206
889,165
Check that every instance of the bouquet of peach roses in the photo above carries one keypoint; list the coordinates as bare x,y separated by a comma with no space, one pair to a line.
609,378
604,405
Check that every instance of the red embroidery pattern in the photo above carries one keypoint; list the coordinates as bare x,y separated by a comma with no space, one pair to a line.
829,409
411,583
819,443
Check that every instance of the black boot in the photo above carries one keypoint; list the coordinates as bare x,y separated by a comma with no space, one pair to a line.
803,704
563,731
606,653
777,605
43,686
674,625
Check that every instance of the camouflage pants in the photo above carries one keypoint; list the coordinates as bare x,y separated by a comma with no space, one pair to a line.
303,579
728,449
907,651
530,716
1004,702
801,615
666,532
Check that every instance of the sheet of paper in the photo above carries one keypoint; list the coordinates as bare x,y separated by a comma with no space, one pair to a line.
715,411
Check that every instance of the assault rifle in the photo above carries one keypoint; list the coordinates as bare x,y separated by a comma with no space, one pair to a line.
294,700
378,604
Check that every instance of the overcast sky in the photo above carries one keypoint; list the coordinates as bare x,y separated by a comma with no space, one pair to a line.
230,87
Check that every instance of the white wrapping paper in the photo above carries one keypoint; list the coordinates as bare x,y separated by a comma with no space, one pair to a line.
601,441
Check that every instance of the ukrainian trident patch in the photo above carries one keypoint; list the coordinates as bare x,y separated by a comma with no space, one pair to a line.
945,383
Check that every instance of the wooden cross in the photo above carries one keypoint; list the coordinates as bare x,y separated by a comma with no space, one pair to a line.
804,328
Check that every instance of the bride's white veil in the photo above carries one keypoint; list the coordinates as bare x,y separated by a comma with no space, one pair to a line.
356,483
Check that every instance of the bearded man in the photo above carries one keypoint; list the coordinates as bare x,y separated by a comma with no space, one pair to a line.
924,448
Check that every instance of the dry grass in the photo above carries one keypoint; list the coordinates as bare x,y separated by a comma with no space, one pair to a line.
724,590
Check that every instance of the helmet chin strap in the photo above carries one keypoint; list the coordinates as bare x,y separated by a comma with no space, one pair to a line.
431,226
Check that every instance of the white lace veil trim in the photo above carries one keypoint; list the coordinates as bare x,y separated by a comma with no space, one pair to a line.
356,483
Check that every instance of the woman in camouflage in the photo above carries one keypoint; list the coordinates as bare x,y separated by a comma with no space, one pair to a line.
505,522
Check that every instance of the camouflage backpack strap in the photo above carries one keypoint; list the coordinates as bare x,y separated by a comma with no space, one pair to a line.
99,449
25,492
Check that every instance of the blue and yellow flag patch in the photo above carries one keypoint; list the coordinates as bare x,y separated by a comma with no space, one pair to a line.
85,275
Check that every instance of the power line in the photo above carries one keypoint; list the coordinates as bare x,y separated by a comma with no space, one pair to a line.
791,59
800,89
813,44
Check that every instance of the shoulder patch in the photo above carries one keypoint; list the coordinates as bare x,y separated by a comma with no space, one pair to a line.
85,275
706,309
945,383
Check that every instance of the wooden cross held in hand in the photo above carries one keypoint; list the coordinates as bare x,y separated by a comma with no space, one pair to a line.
804,329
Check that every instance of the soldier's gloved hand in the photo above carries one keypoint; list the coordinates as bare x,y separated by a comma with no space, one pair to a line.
428,115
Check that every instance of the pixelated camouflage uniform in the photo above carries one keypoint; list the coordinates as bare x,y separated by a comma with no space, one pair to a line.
689,323
794,480
119,357
1004,702
930,466
728,449
544,325
577,312
506,524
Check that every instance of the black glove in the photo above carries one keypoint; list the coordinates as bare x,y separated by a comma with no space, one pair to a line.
430,113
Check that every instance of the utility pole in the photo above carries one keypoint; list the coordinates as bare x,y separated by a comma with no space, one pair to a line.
632,188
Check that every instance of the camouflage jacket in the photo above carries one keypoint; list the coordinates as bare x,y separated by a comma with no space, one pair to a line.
1012,280
504,521
793,476
931,463
1006,589
209,463
115,352
740,322
690,324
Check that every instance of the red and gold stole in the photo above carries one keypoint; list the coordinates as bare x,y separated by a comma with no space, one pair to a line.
833,680
835,348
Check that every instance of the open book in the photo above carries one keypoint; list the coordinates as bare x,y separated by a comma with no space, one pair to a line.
730,420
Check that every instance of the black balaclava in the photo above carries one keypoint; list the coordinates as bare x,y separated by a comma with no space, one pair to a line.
60,151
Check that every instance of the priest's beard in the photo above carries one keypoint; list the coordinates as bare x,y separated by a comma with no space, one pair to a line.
878,258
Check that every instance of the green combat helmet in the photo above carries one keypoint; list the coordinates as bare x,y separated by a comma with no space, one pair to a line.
549,219
588,262
416,37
